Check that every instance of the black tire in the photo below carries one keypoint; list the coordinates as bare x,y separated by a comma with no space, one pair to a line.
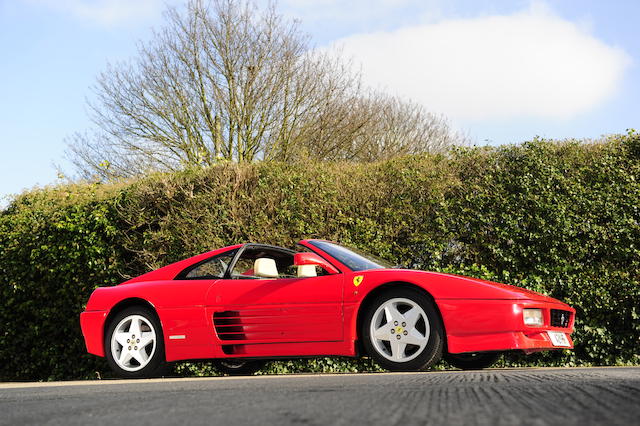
156,365
238,367
429,355
473,361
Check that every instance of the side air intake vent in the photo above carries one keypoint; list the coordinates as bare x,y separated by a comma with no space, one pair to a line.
228,325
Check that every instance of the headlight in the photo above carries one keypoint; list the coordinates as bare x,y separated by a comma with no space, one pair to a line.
532,316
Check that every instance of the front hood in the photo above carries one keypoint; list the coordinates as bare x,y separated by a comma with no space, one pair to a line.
512,291
450,286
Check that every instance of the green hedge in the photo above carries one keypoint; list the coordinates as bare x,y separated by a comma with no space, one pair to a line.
561,218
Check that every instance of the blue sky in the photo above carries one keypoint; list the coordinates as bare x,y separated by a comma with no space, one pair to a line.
502,71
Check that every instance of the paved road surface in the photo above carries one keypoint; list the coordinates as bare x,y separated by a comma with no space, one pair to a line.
602,396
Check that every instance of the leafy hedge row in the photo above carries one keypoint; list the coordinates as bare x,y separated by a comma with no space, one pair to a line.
562,218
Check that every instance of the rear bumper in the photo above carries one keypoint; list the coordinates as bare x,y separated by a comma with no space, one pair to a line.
92,324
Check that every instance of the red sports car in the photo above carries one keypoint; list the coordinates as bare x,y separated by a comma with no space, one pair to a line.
243,304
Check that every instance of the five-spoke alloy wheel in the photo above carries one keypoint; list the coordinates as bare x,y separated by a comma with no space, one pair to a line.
134,343
402,330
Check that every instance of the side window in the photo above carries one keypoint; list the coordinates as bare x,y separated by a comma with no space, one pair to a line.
280,266
243,268
212,268
320,272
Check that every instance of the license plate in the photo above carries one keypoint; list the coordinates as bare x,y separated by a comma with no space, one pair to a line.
558,339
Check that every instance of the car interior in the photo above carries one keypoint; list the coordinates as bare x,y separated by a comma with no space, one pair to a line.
255,262
265,262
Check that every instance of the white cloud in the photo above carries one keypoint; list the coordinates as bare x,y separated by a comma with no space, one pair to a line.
357,12
529,64
106,12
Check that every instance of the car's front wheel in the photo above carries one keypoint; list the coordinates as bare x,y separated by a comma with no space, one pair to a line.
402,330
134,344
473,361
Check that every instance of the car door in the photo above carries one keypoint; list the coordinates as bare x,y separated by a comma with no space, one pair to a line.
275,310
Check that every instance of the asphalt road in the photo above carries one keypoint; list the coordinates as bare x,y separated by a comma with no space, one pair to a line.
507,396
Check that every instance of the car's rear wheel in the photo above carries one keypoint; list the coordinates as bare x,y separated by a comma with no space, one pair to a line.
134,345
473,361
402,331
238,367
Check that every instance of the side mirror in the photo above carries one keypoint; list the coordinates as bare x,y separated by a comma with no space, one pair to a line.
313,259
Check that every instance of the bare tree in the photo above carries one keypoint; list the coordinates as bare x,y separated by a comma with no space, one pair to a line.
225,81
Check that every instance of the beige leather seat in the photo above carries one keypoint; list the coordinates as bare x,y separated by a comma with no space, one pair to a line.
307,271
265,268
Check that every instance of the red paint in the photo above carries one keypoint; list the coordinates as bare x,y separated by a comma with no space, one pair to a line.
92,325
314,259
230,318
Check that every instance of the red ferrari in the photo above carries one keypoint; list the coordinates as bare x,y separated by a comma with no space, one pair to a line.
243,304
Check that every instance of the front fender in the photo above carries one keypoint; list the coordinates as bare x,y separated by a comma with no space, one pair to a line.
446,290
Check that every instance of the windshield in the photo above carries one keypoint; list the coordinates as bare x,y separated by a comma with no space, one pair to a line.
354,259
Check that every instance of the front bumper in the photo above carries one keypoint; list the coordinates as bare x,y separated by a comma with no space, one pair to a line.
516,340
497,325
92,324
